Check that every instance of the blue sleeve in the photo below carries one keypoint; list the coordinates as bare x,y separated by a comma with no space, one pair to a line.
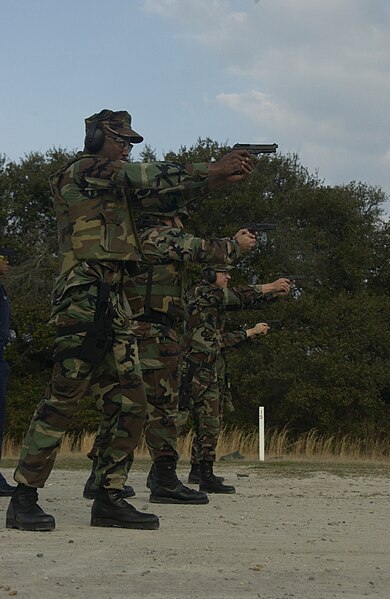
4,317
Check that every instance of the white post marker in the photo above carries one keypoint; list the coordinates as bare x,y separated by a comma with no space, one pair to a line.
261,433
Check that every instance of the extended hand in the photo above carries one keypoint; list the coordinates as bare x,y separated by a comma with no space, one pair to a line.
261,328
279,287
246,240
234,166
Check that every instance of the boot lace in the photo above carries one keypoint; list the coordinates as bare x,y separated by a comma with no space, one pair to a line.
29,495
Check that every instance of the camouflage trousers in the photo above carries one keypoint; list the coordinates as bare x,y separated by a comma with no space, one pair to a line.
160,358
205,411
225,396
115,383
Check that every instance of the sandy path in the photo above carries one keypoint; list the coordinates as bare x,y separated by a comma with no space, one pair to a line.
308,536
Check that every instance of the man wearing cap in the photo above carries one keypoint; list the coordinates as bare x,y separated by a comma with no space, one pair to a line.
95,349
6,490
203,340
157,295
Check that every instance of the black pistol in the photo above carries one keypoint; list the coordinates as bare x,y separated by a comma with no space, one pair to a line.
273,324
259,227
292,278
256,149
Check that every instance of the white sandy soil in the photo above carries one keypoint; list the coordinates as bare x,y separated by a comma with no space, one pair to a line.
285,534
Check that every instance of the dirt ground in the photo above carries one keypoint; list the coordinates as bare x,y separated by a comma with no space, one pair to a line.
291,530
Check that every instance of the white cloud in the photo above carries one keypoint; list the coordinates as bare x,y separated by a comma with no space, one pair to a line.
260,108
316,73
279,118
386,158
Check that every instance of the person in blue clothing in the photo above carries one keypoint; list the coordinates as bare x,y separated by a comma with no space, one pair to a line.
5,489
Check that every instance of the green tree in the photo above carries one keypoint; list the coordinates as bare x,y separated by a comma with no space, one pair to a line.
327,368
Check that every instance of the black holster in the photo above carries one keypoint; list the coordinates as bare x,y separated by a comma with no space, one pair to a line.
100,337
185,386
99,334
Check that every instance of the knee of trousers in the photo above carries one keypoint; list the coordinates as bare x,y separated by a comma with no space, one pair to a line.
61,400
210,426
162,389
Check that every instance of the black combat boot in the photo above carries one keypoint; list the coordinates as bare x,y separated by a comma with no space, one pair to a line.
6,490
210,483
25,514
194,475
110,509
152,481
90,491
169,489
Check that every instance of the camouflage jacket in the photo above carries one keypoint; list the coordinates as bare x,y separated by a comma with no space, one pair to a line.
160,287
204,335
94,197
233,338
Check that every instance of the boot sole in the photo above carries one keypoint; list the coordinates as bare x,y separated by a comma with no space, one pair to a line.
217,492
89,495
94,495
193,481
41,528
178,501
107,523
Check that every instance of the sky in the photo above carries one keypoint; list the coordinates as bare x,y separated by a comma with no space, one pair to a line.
311,75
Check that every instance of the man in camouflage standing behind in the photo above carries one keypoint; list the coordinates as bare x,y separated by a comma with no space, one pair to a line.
159,293
95,349
203,340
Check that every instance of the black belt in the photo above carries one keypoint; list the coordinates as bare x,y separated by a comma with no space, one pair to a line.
157,318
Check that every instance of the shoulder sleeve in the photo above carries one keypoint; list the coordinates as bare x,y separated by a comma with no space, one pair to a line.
232,339
234,297
163,184
248,295
208,295
184,247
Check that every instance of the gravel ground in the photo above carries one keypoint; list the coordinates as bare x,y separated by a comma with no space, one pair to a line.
302,532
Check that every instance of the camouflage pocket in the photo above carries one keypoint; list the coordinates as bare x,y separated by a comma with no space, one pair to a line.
204,379
113,233
159,352
96,186
74,302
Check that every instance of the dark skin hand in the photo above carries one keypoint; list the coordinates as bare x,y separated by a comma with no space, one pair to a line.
234,167
246,240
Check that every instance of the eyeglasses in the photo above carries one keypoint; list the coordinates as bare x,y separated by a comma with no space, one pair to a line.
123,142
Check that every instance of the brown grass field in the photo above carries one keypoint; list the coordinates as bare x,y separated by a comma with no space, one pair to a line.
310,446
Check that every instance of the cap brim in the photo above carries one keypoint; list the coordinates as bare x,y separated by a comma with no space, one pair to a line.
134,137
6,251
226,268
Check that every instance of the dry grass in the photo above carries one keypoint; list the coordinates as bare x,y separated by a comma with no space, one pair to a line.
310,446
313,446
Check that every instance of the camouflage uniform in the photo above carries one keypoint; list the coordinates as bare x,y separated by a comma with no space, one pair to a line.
169,250
93,197
203,340
158,293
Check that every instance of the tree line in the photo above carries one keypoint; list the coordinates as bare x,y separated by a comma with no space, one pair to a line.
327,368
